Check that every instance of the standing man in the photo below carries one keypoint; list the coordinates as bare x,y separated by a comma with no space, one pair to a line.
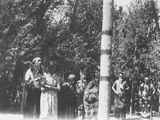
119,88
33,78
68,98
144,95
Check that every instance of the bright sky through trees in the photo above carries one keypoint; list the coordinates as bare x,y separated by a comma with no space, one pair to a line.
123,3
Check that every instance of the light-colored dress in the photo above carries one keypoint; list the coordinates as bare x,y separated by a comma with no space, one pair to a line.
48,106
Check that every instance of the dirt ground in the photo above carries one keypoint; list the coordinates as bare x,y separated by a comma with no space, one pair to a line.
11,116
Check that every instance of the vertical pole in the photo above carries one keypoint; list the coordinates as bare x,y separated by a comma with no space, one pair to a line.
104,85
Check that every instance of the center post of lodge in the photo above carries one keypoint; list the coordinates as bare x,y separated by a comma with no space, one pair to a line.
105,61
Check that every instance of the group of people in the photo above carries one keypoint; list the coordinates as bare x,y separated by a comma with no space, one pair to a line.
40,92
147,98
45,96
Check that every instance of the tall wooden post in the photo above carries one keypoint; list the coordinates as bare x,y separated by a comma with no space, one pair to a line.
104,86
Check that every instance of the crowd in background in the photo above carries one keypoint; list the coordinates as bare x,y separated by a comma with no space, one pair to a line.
146,102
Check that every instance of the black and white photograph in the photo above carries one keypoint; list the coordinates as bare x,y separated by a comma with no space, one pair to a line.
79,59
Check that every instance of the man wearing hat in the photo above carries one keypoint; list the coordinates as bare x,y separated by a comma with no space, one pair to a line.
33,77
68,98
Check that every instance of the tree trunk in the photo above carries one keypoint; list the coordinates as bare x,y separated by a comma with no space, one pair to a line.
104,86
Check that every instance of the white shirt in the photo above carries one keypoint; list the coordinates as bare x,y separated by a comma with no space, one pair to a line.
29,75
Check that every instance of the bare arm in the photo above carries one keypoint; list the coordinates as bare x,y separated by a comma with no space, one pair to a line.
158,90
153,88
28,77
52,87
113,87
58,87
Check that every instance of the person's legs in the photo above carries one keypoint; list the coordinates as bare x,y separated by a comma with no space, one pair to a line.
36,102
86,110
116,109
123,113
43,105
29,105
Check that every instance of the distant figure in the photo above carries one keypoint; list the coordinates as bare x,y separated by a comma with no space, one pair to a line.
147,91
49,101
118,88
153,97
80,87
33,77
144,95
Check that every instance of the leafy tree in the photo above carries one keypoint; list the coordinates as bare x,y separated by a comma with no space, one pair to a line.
30,28
71,42
133,46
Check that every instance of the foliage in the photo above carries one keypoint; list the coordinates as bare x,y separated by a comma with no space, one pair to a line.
66,36
133,44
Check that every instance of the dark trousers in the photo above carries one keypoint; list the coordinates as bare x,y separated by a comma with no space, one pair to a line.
32,105
67,103
120,108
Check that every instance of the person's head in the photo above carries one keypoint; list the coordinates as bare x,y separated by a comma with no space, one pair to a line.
146,79
71,78
37,63
120,75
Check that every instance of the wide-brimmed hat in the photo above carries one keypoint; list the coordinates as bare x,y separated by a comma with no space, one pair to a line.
36,59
